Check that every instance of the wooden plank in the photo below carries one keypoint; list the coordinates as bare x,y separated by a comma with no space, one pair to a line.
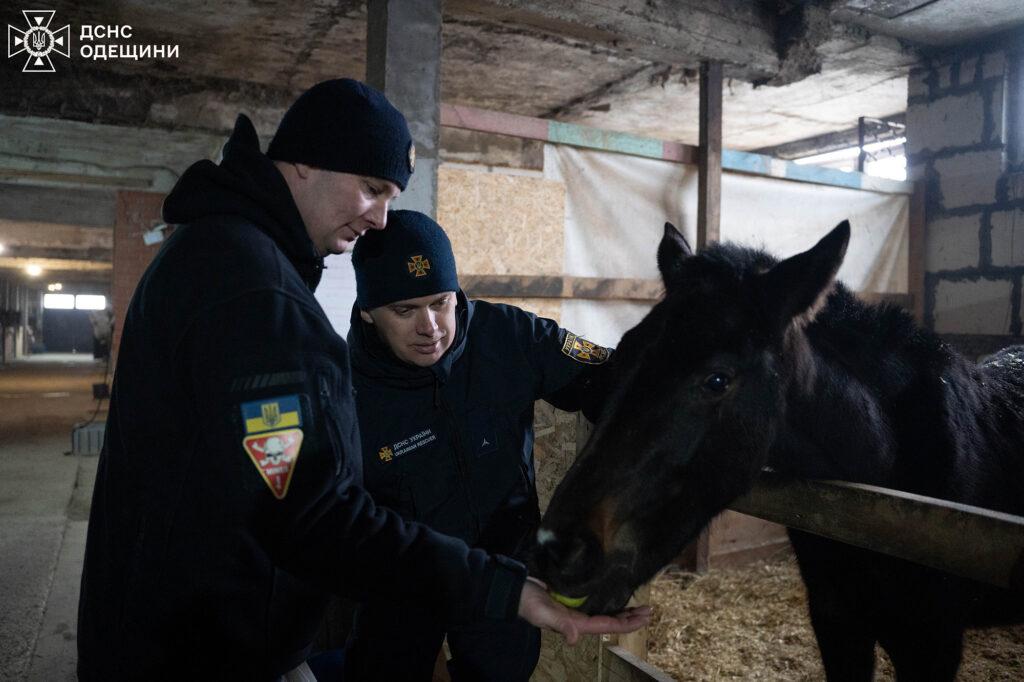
968,541
658,32
574,135
561,286
403,61
65,151
557,132
709,166
57,205
915,257
619,665
487,121
597,288
903,300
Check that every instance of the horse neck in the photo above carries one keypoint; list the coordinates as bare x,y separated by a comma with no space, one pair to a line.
836,422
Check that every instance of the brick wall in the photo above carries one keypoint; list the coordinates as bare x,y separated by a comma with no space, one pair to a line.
957,132
137,212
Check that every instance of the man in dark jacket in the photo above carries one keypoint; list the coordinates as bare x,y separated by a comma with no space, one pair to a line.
445,396
228,500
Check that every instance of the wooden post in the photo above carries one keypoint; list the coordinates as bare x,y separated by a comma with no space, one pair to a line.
403,60
709,172
915,251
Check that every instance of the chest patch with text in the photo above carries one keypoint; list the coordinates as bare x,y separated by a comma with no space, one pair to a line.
406,445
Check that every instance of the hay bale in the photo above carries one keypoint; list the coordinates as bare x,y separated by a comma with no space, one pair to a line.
751,623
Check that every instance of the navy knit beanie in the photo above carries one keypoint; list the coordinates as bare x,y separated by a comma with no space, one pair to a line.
411,257
346,126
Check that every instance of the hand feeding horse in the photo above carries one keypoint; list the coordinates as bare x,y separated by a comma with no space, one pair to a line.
751,362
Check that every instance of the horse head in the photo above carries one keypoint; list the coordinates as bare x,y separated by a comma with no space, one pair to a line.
699,394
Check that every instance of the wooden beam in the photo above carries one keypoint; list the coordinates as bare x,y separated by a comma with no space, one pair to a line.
561,286
72,152
679,32
915,250
403,60
586,137
971,542
54,264
58,205
709,167
620,665
94,254
557,132
598,288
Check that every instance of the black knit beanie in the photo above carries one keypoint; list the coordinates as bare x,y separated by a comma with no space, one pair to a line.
411,257
346,126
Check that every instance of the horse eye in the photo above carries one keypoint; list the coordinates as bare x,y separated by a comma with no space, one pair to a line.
716,382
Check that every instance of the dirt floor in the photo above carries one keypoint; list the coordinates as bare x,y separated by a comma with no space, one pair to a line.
752,624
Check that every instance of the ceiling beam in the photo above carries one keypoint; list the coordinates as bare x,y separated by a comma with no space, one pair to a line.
738,33
819,144
64,205
42,253
37,150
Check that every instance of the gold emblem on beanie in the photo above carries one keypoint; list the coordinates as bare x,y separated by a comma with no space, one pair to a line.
418,266
412,157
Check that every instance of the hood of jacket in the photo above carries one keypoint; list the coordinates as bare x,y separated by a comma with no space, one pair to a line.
374,360
246,184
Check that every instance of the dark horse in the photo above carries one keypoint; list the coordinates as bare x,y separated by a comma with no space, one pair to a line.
750,362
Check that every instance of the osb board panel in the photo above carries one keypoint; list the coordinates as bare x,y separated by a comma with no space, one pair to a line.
558,437
502,224
734,532
554,447
560,662
543,307
554,451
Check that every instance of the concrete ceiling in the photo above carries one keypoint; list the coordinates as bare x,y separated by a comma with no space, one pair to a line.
795,69
933,22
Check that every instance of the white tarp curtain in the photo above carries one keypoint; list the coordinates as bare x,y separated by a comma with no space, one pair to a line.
617,205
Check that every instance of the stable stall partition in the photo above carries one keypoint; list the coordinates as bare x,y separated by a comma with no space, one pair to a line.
576,241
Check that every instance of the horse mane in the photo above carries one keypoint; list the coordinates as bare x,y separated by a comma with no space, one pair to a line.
846,325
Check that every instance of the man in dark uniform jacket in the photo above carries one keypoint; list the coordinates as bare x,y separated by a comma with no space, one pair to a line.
445,391
228,500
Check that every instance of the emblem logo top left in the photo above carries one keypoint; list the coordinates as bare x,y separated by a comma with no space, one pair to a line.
38,41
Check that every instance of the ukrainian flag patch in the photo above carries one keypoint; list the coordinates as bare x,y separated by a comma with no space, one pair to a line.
581,350
273,413
273,439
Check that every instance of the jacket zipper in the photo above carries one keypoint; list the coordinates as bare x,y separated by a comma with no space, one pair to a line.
460,458
333,432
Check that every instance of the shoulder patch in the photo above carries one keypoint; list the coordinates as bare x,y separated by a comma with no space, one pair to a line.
273,439
271,413
581,350
275,454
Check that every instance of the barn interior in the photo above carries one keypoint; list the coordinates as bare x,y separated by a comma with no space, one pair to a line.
553,141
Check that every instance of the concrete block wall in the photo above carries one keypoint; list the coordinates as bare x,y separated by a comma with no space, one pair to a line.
957,142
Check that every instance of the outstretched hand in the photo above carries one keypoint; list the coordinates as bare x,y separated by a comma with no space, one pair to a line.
538,608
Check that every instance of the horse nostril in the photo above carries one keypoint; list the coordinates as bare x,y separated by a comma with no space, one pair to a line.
545,536
566,556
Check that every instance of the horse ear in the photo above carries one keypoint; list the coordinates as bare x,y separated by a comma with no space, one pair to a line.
798,286
672,251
